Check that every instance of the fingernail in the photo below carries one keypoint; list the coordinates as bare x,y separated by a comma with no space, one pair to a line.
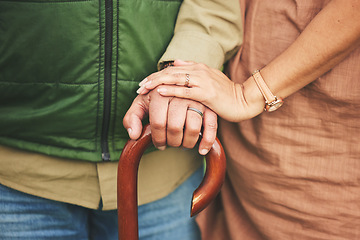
147,83
203,151
143,81
140,90
129,130
162,148
162,90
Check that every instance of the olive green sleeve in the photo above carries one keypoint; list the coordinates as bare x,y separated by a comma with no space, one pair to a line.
206,31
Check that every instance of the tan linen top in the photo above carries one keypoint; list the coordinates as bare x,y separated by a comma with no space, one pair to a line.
198,37
293,173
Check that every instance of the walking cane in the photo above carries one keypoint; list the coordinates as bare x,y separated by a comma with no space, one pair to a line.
127,183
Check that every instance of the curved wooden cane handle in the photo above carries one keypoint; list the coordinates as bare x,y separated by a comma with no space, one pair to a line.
127,182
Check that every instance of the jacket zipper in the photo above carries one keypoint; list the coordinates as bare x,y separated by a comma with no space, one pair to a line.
107,79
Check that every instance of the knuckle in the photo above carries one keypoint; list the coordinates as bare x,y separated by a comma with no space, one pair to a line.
178,75
193,130
174,129
204,69
212,125
208,141
187,92
166,70
157,125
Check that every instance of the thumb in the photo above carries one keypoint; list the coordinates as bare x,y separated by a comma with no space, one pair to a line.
132,120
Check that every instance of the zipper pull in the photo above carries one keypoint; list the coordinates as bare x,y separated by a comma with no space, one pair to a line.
105,156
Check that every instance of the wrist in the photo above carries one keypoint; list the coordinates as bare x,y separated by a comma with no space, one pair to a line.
249,100
253,97
272,102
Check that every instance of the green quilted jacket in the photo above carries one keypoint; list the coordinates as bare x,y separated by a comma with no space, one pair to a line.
69,70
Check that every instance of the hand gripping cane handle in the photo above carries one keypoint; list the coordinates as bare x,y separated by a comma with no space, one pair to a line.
127,182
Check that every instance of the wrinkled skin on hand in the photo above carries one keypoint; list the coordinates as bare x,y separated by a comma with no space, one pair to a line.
172,124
